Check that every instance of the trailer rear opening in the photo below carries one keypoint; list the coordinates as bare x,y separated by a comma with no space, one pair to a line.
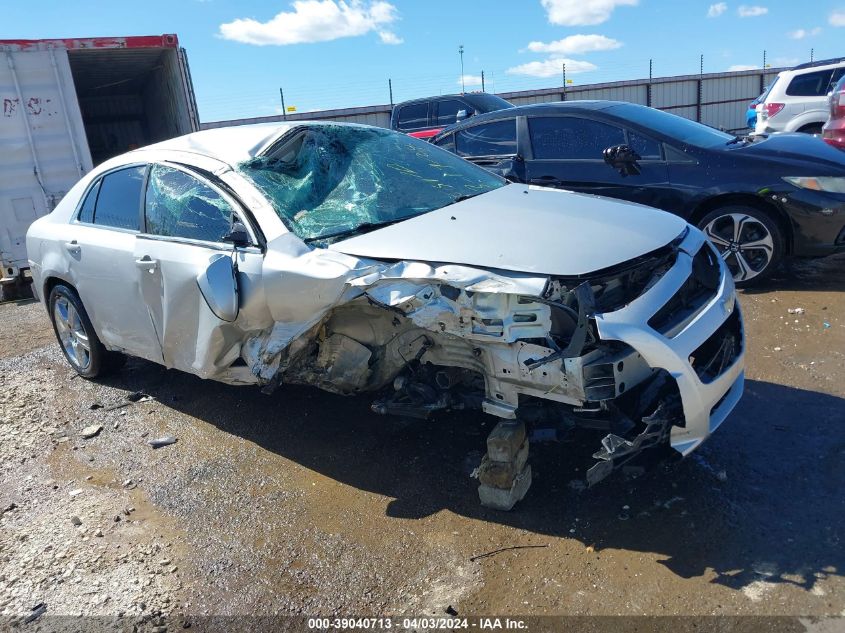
70,104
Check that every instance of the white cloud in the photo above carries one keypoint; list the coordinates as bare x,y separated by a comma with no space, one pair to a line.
800,34
470,80
738,67
389,37
754,11
582,12
315,21
575,45
837,18
552,67
717,9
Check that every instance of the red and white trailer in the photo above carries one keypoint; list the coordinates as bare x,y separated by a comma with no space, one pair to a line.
67,105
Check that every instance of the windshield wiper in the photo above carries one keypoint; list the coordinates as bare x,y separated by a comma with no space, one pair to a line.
466,196
361,228
740,139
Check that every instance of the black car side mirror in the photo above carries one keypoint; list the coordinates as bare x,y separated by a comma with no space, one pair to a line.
238,235
624,159
511,169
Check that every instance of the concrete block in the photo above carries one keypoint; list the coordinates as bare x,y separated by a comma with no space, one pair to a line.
500,499
502,474
505,440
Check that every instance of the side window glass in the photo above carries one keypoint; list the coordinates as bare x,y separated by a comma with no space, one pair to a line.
447,111
647,148
179,205
447,142
809,84
571,138
488,139
119,201
413,116
837,75
86,213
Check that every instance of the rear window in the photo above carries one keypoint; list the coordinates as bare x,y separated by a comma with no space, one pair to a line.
119,200
573,138
814,84
413,116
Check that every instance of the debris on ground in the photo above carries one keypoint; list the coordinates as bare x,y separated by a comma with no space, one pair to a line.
138,396
796,310
451,610
504,549
158,442
91,431
37,611
76,520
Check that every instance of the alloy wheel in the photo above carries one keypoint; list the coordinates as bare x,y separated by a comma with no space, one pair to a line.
744,242
72,334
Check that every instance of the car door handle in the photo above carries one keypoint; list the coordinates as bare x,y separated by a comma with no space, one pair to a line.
73,247
147,262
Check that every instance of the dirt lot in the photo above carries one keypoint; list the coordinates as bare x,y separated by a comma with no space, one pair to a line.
306,503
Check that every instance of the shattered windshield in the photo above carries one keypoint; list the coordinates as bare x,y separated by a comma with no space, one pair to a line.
332,180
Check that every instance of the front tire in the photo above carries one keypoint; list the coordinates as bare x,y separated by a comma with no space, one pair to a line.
749,240
76,336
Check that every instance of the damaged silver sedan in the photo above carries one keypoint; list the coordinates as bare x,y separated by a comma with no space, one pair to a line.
358,260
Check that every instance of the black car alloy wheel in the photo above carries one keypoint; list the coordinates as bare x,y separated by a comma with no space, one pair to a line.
748,240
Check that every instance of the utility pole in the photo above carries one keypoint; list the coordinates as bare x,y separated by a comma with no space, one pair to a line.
461,53
390,87
811,54
764,59
284,111
482,82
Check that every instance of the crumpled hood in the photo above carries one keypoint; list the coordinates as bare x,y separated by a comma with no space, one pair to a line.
524,229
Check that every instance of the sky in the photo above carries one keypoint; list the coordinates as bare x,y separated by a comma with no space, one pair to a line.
341,53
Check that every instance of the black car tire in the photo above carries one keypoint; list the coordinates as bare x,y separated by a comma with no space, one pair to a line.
76,336
749,239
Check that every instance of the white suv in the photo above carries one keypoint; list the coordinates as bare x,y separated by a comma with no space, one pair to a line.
797,99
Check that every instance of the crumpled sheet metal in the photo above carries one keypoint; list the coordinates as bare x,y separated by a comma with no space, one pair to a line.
302,290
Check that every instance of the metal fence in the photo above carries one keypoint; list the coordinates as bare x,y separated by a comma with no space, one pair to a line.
716,99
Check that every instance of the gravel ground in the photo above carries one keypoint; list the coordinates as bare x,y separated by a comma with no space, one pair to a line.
306,503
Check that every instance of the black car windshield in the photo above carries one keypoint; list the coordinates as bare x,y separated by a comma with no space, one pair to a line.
672,126
328,180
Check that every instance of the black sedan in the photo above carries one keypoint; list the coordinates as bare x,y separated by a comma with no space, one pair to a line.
757,199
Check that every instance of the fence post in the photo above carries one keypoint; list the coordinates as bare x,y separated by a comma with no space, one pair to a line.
563,90
482,82
284,110
390,87
648,85
698,105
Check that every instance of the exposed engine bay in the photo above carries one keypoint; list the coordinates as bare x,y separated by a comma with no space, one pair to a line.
425,346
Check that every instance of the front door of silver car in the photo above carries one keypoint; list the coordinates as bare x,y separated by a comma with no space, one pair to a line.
188,272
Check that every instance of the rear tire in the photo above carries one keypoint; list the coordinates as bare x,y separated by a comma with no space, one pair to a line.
76,336
750,241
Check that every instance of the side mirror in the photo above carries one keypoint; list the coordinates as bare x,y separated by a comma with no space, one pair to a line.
511,169
238,235
219,287
463,114
624,159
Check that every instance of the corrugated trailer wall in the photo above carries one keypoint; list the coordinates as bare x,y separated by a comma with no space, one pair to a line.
721,103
